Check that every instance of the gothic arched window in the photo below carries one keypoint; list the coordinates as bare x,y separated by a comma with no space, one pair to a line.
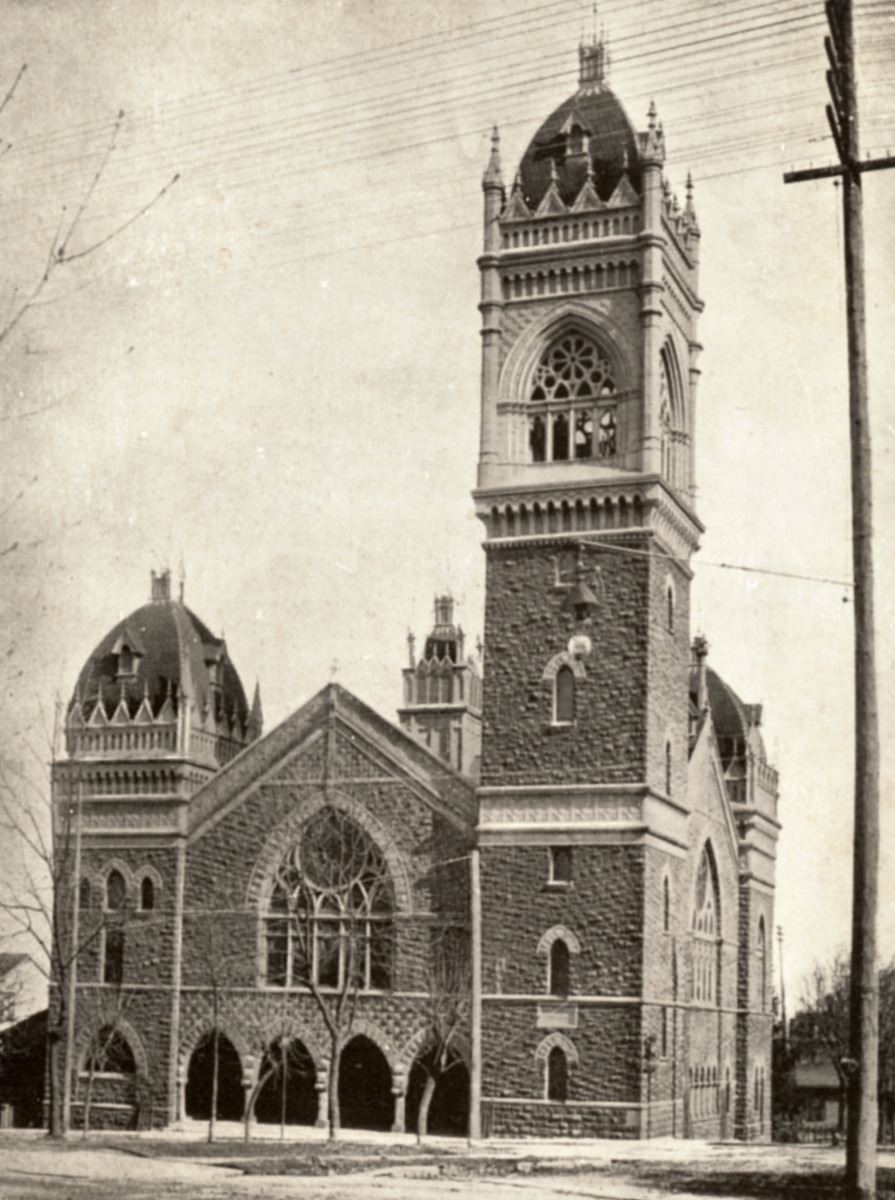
329,920
559,969
573,402
705,931
147,894
116,891
666,905
564,696
761,950
557,1075
109,1053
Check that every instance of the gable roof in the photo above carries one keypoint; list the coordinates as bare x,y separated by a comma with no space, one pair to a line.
9,961
434,781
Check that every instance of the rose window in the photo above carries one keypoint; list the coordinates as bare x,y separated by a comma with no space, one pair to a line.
573,403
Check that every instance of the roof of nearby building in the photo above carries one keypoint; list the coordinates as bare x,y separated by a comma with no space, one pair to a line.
8,961
733,720
611,142
173,650
816,1075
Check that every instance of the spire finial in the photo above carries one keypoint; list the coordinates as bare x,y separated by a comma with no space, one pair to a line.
554,176
492,171
651,115
592,56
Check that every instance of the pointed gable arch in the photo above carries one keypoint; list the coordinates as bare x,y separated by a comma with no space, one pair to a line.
288,833
568,316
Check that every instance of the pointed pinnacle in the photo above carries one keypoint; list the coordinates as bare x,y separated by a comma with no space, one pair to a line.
554,177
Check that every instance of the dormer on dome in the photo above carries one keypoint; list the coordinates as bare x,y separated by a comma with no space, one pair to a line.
590,130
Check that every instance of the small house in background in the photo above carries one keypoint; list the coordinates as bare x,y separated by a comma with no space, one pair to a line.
817,1089
23,988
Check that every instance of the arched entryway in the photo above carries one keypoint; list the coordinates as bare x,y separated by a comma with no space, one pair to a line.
449,1110
365,1086
287,1095
200,1080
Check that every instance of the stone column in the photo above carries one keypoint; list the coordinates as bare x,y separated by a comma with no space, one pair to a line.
399,1091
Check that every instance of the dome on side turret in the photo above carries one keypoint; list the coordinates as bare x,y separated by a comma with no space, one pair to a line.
158,654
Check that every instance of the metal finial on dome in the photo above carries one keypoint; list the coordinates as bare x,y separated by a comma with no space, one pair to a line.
592,59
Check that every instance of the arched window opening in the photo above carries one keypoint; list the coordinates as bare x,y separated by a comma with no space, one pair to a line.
669,612
705,932
110,1054
761,951
671,429
564,696
663,1034
573,393
558,984
666,905
116,891
557,1075
85,897
329,920
147,894
113,956
668,768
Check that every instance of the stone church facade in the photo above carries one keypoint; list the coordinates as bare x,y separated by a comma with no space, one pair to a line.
584,805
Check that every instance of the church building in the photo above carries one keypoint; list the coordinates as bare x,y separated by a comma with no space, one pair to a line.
582,810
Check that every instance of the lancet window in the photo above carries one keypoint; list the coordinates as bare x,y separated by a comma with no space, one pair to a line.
329,920
572,403
705,933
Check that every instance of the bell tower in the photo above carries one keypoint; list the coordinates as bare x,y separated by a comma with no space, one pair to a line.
589,304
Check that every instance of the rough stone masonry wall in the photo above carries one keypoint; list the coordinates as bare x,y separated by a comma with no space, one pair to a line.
525,627
668,686
144,999
603,909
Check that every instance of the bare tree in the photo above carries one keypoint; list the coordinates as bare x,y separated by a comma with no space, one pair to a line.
331,928
449,997
99,1015
43,902
65,246
217,958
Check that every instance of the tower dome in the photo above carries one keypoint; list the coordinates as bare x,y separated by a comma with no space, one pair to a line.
160,673
590,131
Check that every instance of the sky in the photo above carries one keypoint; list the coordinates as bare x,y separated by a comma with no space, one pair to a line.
269,379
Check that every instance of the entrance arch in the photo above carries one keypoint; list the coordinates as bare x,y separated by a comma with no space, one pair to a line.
449,1110
200,1077
288,1095
365,1086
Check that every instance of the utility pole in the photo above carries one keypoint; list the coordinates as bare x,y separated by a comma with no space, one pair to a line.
842,114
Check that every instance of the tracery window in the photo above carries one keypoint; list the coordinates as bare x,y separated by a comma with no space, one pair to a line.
329,921
573,403
705,933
